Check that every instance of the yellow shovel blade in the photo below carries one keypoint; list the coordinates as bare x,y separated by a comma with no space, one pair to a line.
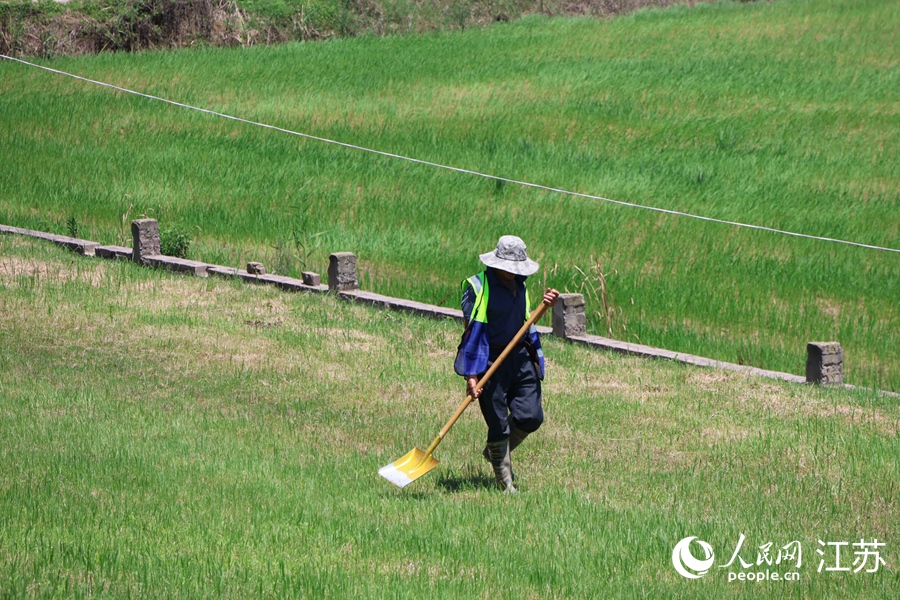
409,468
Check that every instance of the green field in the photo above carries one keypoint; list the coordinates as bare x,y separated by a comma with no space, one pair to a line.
779,114
169,437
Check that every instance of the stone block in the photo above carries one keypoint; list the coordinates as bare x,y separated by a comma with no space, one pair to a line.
145,240
13,230
256,268
28,232
83,247
568,316
342,272
288,284
113,252
177,265
824,363
310,278
401,305
220,271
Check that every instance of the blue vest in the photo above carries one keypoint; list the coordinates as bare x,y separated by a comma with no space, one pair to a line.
473,353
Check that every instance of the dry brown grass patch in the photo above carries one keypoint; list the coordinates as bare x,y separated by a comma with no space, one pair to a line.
354,340
852,414
13,267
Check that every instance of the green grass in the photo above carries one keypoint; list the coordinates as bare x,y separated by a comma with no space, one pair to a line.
779,114
174,437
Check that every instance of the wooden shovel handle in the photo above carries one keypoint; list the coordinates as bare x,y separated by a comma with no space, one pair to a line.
537,314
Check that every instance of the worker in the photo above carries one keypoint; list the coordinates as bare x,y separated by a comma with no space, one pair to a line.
495,304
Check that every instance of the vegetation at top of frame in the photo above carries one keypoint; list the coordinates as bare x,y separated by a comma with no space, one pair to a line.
174,437
782,115
50,28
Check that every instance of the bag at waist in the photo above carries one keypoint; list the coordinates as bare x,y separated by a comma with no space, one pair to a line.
525,345
499,348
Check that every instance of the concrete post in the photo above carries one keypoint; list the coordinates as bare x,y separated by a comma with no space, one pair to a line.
342,272
145,240
824,363
568,316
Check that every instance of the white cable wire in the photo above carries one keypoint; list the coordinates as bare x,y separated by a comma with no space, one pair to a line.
449,168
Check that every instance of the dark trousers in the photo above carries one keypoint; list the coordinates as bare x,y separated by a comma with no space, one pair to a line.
512,397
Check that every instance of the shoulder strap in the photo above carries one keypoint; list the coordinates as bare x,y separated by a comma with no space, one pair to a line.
480,287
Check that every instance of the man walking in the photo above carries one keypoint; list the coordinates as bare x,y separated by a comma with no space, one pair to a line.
495,304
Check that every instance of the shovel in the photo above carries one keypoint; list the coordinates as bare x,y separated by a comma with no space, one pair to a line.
416,463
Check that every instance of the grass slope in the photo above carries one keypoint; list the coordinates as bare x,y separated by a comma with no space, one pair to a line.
779,114
183,438
48,28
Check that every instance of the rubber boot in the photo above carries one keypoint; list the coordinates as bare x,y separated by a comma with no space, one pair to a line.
498,454
516,437
487,457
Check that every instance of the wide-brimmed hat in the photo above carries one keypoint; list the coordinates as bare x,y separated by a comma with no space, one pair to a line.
510,256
